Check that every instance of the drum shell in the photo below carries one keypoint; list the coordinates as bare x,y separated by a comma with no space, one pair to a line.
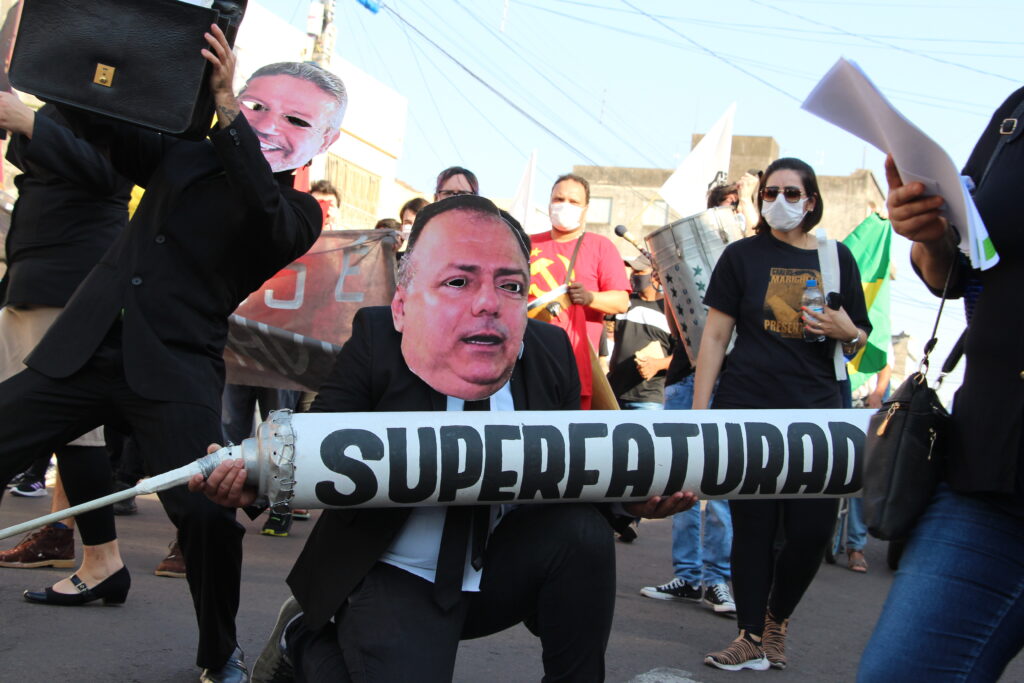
685,253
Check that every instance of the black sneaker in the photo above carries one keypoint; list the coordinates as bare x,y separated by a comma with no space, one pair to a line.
273,665
19,478
277,524
128,506
676,589
30,489
719,598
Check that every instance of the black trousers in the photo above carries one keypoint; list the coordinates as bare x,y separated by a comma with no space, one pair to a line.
39,414
762,579
551,567
238,406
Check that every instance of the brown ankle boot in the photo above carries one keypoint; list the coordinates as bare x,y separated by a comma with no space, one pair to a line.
47,547
173,565
774,640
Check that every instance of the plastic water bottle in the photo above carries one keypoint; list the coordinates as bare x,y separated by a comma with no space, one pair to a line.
813,299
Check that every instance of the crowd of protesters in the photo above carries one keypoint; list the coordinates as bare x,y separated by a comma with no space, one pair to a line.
76,265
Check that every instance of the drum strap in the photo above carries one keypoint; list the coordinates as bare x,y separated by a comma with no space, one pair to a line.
572,261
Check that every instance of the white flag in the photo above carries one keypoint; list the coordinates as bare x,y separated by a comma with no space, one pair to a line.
521,204
522,207
705,166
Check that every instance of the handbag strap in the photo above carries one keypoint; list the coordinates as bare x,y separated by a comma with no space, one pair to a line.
922,368
955,354
1009,130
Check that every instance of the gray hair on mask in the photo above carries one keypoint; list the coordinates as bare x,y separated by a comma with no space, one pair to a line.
313,73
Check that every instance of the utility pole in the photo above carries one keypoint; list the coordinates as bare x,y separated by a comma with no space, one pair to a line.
320,32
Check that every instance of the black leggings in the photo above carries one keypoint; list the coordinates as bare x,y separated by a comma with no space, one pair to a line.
763,579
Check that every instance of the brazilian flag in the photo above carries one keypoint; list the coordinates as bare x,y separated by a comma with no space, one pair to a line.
869,242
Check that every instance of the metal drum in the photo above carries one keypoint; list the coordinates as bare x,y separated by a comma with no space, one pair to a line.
685,253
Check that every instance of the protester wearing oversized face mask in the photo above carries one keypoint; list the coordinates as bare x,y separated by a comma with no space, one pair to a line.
597,283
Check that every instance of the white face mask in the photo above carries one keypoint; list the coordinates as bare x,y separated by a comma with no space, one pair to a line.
565,216
783,216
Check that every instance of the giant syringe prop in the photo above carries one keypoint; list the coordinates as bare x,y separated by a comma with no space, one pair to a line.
325,460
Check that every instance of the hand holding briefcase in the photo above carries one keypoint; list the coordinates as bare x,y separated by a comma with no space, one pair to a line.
133,60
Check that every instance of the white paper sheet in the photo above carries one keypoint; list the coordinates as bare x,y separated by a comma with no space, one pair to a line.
847,98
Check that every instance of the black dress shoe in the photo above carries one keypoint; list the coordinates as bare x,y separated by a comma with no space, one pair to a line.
113,590
233,671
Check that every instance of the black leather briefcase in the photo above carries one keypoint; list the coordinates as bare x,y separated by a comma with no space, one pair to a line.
133,60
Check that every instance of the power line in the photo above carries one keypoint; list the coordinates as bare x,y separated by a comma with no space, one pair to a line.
493,90
488,60
907,95
885,43
427,139
733,25
433,101
473,106
587,112
583,155
711,52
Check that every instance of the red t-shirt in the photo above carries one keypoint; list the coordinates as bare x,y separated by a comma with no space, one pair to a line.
599,268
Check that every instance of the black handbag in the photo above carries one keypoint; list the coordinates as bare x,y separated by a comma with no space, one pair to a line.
903,456
133,60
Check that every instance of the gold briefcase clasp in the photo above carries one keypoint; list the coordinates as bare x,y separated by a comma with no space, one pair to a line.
104,75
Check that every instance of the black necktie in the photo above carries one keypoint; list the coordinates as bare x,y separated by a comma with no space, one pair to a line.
459,520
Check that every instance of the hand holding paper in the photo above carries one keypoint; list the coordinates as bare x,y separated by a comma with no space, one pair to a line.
848,98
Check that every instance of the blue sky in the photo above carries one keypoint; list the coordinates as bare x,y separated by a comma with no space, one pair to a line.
626,83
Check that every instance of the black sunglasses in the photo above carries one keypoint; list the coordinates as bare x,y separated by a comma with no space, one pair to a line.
792,194
444,194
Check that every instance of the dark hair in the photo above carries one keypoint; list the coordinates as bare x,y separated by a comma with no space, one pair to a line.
315,74
387,224
453,171
810,183
718,194
575,178
465,202
325,187
415,205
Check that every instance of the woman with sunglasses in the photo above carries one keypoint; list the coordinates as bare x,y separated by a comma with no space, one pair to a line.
756,290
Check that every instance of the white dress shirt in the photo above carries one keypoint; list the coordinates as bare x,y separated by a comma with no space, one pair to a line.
416,546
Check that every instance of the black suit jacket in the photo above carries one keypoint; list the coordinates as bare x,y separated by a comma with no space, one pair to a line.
213,225
371,375
71,206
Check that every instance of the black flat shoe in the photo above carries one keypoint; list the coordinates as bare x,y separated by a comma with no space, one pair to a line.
113,590
233,671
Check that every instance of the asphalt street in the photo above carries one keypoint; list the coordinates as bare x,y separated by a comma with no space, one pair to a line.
151,638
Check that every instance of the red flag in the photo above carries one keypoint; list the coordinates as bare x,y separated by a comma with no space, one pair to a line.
286,333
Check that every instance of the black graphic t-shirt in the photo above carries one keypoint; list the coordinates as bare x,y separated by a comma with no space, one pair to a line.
759,282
